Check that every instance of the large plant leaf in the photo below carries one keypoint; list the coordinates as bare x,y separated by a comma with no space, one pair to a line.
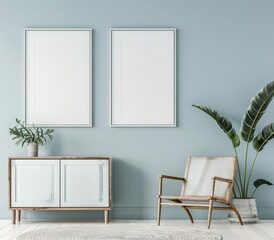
223,122
255,111
260,182
263,137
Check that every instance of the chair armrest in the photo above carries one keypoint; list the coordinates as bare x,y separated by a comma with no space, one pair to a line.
226,180
161,177
222,179
172,177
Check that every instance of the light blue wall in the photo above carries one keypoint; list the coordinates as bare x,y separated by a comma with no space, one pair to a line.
225,53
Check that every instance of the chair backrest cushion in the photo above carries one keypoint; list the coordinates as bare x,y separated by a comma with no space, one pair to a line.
199,172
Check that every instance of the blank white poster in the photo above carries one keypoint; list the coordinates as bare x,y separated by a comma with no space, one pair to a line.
143,92
58,77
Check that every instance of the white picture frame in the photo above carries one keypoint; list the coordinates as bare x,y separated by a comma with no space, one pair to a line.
143,77
58,77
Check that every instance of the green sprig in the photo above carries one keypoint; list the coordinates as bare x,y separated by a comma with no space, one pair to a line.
25,135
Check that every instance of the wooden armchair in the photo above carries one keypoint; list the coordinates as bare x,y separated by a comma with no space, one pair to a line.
207,180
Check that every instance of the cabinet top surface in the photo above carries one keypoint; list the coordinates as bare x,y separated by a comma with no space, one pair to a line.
60,157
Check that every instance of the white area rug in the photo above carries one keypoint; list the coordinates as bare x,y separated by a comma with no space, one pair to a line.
116,232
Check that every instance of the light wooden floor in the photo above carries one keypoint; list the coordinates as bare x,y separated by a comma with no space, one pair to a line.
264,230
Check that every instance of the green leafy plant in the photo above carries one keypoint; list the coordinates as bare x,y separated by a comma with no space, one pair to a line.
25,135
257,108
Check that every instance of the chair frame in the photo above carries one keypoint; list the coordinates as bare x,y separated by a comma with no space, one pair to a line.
181,200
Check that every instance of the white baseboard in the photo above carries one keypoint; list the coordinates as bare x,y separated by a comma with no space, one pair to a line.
130,213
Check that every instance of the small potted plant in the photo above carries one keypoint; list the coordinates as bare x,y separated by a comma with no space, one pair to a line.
32,136
243,197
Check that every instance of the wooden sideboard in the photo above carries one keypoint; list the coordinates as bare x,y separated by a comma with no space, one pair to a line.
60,183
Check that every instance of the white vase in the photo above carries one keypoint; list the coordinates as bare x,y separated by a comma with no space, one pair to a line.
247,208
33,149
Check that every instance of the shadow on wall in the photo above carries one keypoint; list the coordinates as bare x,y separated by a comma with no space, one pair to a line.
129,181
53,148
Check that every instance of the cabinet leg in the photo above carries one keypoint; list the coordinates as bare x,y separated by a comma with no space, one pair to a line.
19,215
13,216
106,216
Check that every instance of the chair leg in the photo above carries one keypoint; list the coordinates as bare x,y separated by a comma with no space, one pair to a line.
189,214
237,213
210,212
159,211
186,209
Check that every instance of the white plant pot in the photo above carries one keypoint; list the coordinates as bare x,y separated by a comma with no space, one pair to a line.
33,149
247,209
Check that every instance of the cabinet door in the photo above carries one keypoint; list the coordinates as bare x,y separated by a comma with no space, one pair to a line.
35,183
84,183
